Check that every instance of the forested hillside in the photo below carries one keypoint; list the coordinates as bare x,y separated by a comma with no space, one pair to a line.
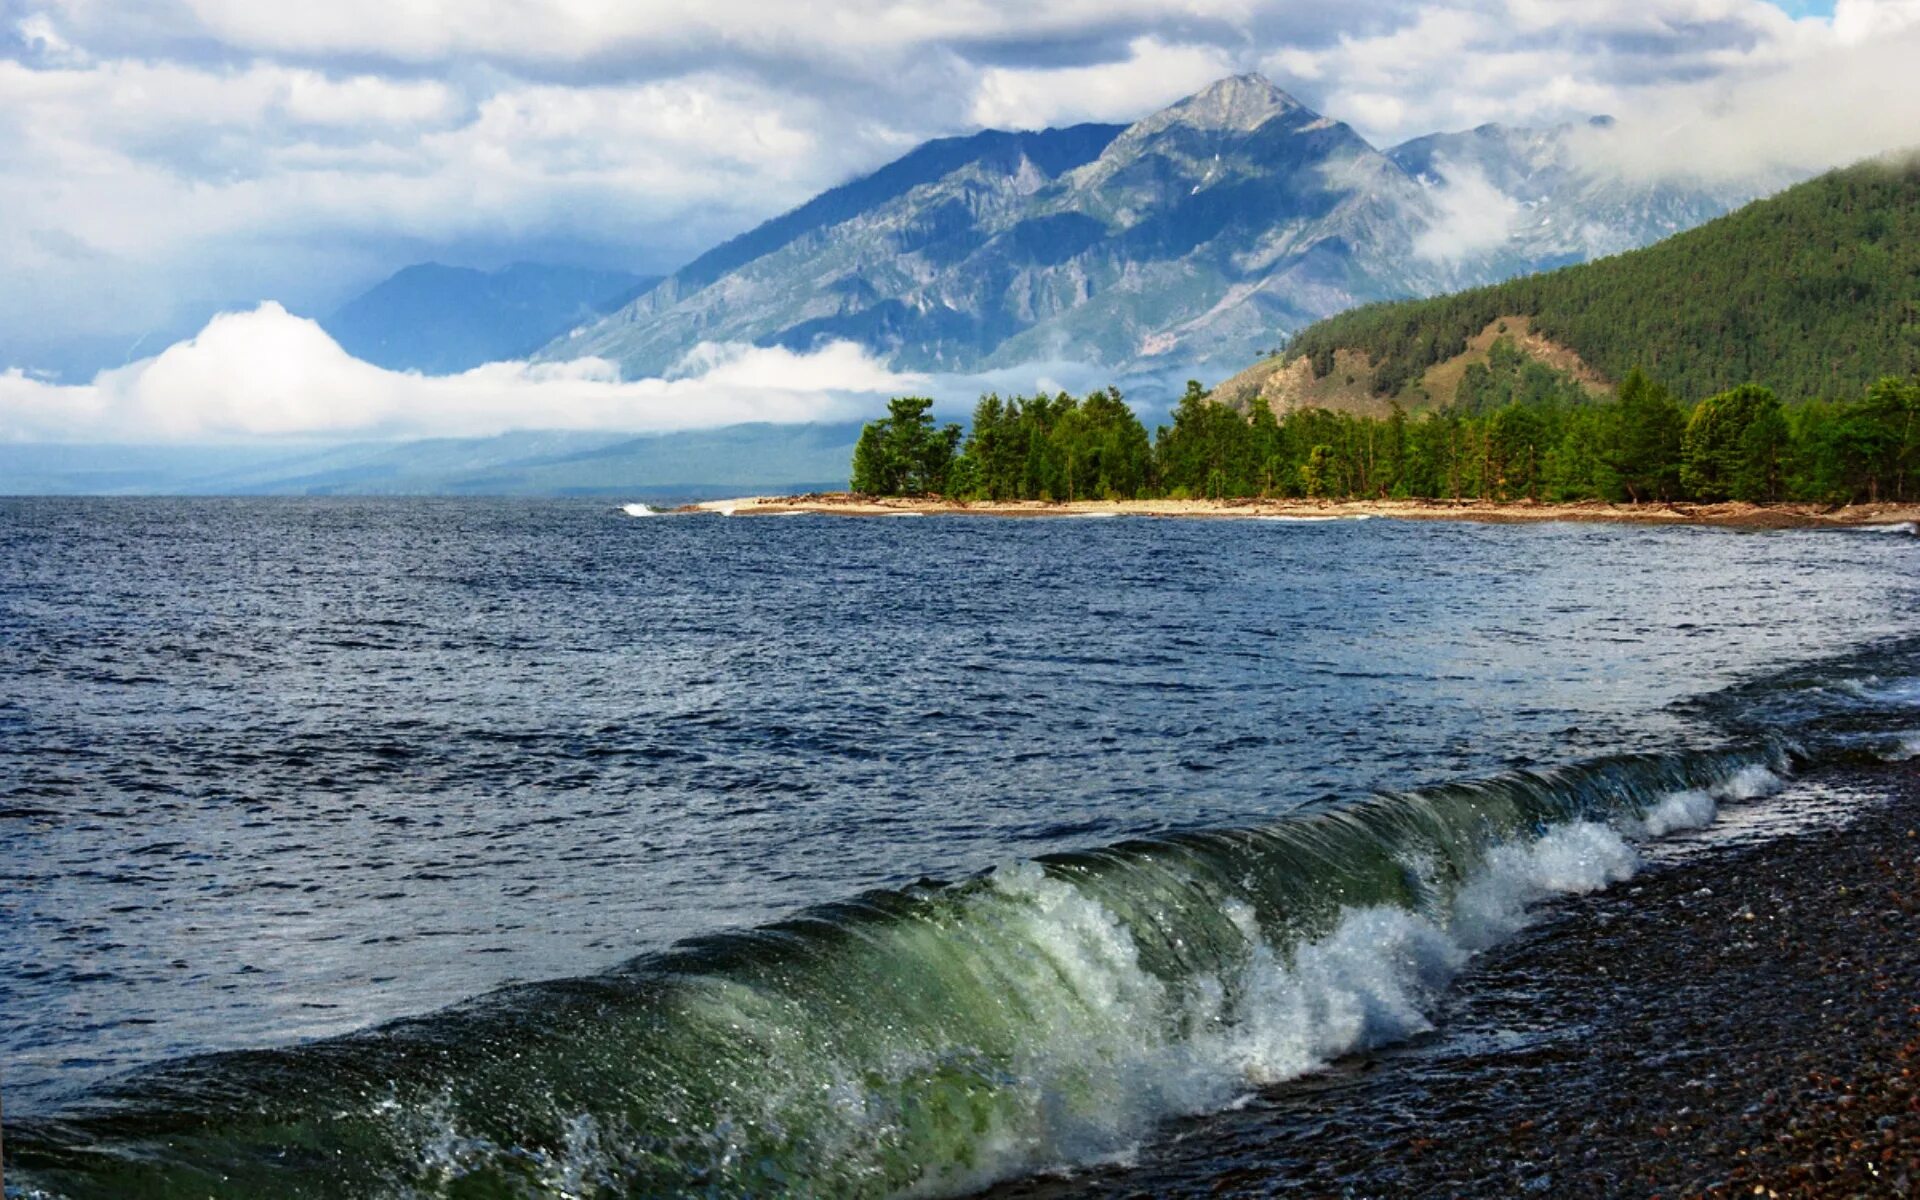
1814,293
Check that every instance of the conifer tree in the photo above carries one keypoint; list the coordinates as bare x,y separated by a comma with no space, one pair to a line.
1646,449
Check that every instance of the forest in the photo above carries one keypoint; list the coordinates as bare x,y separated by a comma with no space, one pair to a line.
1517,430
1810,293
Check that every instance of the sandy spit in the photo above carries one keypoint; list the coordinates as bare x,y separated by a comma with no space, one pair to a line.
1731,515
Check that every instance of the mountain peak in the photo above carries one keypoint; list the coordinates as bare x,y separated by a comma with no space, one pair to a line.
1239,103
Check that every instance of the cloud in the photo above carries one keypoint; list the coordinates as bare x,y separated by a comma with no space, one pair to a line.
1840,104
1533,62
1153,75
162,159
268,374
197,187
567,32
1472,216
1856,21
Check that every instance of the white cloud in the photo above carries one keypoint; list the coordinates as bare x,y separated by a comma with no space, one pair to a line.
189,187
268,374
1153,75
1472,216
1856,21
568,31
160,159
1533,62
42,41
1838,105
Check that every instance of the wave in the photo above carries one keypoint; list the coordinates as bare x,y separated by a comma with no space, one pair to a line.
1909,528
1906,748
1287,520
639,510
924,1041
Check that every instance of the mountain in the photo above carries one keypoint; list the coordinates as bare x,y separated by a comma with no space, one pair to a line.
837,265
1814,292
1561,209
442,320
702,464
1194,238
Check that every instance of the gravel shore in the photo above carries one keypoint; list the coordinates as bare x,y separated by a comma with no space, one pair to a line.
1738,1020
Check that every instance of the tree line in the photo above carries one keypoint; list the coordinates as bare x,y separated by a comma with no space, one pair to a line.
1517,430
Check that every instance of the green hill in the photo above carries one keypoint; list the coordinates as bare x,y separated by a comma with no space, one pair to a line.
1814,293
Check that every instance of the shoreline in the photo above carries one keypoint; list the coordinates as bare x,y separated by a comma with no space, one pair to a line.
1729,1023
1730,515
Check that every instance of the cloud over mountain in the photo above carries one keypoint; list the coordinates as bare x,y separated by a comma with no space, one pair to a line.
164,159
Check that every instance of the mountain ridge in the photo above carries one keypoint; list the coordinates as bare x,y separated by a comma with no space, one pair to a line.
1194,237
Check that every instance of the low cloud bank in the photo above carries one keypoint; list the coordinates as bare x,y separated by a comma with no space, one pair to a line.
1836,105
270,374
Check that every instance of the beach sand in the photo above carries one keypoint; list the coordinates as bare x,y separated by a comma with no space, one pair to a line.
1731,515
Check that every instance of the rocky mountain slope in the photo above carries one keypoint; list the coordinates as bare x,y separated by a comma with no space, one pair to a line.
1191,240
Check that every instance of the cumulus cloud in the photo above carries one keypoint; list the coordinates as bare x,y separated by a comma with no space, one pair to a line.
268,374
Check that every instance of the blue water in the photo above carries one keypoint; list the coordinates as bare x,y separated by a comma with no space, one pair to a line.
277,770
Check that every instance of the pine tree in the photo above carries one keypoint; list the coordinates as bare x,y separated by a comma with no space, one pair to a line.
1646,449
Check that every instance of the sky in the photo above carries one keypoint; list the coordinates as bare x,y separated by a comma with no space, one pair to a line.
164,160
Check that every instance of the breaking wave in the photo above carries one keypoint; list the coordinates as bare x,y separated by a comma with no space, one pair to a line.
924,1041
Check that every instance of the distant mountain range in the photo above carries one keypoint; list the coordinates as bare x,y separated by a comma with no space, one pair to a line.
442,320
1194,239
695,465
1188,243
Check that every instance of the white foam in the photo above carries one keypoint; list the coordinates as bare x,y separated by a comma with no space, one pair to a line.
1749,783
1127,1051
1370,982
1696,808
1569,860
1693,809
638,510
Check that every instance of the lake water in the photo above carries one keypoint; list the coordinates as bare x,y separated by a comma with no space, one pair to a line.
273,772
